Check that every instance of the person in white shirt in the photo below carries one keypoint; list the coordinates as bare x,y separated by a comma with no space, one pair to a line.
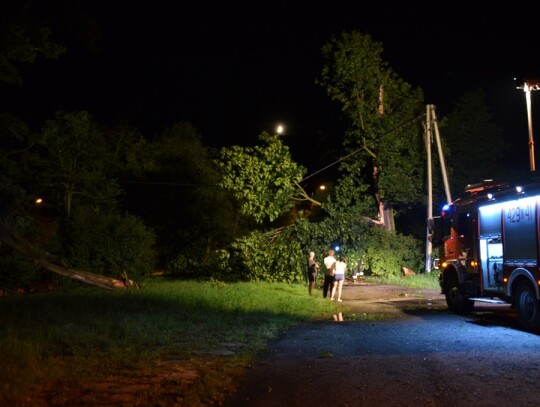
340,268
329,276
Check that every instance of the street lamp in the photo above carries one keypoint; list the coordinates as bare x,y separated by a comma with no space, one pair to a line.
527,86
279,129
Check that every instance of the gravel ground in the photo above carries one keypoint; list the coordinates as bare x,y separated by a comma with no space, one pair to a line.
409,352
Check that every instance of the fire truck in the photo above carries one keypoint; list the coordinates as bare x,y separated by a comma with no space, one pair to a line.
489,249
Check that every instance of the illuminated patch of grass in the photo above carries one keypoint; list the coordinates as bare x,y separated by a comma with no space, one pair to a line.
427,281
86,334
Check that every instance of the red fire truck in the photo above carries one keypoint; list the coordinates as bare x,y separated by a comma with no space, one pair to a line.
489,251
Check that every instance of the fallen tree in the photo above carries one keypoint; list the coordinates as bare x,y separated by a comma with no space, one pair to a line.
15,242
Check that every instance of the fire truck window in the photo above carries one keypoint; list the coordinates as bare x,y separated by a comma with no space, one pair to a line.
463,224
446,225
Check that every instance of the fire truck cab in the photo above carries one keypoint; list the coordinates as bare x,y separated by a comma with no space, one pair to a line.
489,249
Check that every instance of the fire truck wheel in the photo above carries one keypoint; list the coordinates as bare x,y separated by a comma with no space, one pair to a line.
456,299
528,307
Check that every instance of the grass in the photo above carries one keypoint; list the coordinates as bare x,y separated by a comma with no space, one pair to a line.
66,340
428,281
63,339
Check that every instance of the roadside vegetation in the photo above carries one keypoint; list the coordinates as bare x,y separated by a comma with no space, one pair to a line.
229,228
57,345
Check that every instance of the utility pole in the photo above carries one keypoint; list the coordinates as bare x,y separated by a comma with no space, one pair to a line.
431,125
441,156
429,231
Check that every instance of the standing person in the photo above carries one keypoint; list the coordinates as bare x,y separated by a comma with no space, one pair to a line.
339,276
313,266
329,276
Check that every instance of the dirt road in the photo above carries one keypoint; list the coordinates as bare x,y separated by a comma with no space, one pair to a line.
398,347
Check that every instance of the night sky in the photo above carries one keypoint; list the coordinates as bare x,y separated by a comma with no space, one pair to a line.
234,69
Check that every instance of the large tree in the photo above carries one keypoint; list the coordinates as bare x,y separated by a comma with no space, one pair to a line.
23,37
385,136
78,231
173,185
72,159
474,141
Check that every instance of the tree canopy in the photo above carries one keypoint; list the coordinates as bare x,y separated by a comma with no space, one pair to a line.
383,112
264,178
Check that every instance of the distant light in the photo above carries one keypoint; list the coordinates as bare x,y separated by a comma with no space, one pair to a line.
38,201
337,248
322,187
446,207
279,129
490,196
519,189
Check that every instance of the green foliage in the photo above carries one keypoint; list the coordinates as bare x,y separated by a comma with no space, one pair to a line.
385,253
13,177
130,151
18,272
175,191
381,107
351,200
72,162
381,252
281,255
22,39
109,244
273,256
419,281
470,134
261,178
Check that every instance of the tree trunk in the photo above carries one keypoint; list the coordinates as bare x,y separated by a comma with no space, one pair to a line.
9,238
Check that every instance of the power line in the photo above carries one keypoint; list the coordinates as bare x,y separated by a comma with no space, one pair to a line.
363,148
167,183
309,176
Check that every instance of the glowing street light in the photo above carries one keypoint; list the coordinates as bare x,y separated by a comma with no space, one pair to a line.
279,129
527,86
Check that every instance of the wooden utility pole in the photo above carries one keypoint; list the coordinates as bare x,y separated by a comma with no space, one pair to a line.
431,126
429,231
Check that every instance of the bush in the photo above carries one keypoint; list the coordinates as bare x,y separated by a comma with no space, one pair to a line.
273,256
110,244
386,253
381,252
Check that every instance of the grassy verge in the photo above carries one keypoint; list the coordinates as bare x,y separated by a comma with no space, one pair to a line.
421,281
62,346
62,341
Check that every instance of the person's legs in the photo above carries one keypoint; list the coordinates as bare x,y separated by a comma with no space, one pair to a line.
334,286
326,285
340,287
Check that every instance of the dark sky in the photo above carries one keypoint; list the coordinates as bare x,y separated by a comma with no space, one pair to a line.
234,69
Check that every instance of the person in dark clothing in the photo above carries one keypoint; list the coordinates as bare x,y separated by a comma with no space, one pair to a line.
313,266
